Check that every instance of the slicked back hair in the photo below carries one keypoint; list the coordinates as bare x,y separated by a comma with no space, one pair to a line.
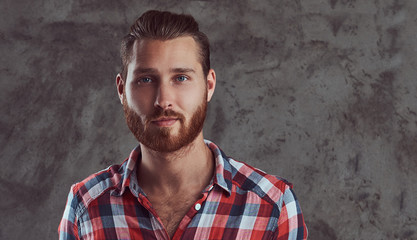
163,26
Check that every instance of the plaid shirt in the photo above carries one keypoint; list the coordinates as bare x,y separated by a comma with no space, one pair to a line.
241,202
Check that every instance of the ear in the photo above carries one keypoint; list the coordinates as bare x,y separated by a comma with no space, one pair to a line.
211,84
120,84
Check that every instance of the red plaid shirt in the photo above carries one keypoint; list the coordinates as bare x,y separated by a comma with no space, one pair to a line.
241,202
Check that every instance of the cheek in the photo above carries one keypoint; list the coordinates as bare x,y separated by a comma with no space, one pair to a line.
192,100
140,102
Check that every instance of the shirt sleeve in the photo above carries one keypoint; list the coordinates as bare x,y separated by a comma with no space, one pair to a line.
68,228
291,223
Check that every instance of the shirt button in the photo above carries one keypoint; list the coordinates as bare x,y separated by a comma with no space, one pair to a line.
197,206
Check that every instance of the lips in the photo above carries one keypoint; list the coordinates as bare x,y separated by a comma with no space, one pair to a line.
165,122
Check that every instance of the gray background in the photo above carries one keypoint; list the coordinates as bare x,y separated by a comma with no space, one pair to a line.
322,93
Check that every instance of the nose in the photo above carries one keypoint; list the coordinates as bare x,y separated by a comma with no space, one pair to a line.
164,96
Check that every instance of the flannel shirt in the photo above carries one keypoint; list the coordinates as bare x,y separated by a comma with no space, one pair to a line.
241,202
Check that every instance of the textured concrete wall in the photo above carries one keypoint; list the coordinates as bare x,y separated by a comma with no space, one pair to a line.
321,92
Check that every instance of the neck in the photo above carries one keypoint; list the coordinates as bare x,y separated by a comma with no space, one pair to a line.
189,168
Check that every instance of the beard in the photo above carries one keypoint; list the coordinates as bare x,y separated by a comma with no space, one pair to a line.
161,139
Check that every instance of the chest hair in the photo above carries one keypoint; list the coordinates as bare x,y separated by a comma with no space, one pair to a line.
171,210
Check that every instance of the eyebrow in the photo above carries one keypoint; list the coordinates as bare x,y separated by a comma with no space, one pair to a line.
144,70
182,70
153,70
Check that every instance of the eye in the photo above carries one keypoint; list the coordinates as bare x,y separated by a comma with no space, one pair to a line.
182,78
145,80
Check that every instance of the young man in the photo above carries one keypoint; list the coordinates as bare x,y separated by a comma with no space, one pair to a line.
175,184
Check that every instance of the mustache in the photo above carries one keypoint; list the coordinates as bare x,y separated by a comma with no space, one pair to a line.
159,113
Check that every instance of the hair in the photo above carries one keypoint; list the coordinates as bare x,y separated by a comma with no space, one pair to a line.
159,25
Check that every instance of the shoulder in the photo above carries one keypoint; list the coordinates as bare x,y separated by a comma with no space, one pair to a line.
95,185
268,187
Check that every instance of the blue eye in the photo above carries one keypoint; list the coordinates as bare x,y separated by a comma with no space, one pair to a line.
145,80
182,78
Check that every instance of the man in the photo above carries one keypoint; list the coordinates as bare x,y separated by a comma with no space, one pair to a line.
175,184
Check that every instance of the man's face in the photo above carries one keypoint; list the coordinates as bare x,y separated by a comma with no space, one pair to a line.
165,93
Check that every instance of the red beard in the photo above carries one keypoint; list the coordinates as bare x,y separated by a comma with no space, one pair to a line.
161,139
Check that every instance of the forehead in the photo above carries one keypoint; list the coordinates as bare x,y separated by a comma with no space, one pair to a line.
177,51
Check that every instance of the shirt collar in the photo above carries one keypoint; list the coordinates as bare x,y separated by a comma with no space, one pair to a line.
129,179
222,176
223,173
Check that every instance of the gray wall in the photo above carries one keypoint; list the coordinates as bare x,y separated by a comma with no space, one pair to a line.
321,92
